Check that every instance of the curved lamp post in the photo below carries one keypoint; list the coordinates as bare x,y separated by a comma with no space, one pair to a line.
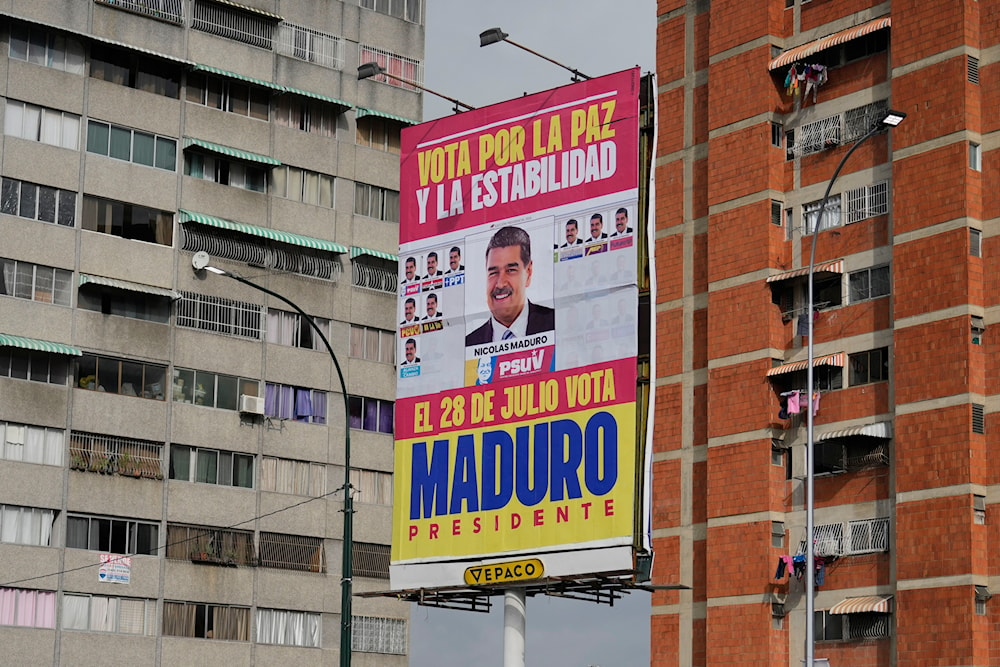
201,261
889,120
494,35
368,70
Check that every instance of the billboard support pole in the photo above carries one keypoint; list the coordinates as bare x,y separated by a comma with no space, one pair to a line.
513,627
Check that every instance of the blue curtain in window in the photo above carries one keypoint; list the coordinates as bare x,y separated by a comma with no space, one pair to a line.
303,404
319,407
385,417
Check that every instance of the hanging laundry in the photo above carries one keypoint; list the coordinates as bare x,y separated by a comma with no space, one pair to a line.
799,566
793,403
802,328
780,572
820,571
815,402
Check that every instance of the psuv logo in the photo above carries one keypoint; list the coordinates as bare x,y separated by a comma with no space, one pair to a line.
512,366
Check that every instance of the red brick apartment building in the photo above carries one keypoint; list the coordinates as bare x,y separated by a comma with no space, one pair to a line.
905,331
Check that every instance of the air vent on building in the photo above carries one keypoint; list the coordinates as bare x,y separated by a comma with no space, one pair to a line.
253,405
776,209
978,418
973,70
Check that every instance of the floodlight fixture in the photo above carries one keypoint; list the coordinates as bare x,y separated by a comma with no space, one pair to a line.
494,35
373,69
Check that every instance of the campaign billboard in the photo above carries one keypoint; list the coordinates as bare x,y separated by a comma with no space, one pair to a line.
516,389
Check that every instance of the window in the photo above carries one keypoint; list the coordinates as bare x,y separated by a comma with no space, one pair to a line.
228,95
983,596
827,291
134,70
37,202
977,328
34,282
210,545
307,115
292,552
230,22
101,613
867,201
24,364
858,626
973,70
978,418
211,466
979,510
27,608
218,315
123,302
35,44
120,376
49,126
301,478
292,329
842,455
776,209
26,525
777,534
401,66
834,130
859,121
831,214
975,156
309,45
371,634
31,444
371,414
213,390
112,535
308,187
410,10
376,202
165,10
225,172
373,344
975,242
869,284
375,273
371,486
207,621
867,536
777,134
379,133
123,143
113,454
129,221
289,628
829,627
287,402
869,366
370,560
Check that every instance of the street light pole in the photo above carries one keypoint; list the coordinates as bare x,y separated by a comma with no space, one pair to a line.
889,120
200,261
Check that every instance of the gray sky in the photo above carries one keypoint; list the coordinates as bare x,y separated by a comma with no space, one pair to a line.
596,38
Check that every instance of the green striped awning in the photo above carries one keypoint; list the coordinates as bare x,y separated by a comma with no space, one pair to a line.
231,152
361,112
86,279
264,232
252,10
317,96
241,77
7,340
357,251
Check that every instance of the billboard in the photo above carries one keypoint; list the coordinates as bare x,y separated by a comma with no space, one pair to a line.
516,388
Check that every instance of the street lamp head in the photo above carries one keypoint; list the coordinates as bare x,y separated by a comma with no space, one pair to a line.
893,118
368,70
491,36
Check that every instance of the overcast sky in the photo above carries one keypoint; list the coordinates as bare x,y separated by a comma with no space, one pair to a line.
596,38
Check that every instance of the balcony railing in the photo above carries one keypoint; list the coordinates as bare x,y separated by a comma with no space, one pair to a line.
165,10
112,455
851,538
210,546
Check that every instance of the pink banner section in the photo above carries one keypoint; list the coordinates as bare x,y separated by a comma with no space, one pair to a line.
509,402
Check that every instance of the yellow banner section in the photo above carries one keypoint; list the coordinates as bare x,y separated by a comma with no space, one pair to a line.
537,485
501,573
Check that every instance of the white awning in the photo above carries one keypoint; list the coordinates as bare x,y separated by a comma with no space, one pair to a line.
805,50
878,430
875,603
826,267
126,285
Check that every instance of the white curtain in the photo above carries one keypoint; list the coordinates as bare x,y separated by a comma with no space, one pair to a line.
103,613
13,119
317,481
34,446
14,449
51,128
9,521
55,442
75,612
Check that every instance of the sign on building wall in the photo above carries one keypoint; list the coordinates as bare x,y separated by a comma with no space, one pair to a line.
515,415
115,569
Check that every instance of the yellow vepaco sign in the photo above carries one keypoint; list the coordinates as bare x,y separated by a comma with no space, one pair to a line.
500,573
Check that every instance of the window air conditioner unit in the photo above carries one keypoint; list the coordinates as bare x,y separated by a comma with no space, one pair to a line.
253,405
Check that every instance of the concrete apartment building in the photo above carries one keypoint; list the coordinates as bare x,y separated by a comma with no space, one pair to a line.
758,102
185,419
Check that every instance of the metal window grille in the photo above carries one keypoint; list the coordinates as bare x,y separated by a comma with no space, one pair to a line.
239,248
401,66
859,121
867,536
867,201
232,24
370,560
973,70
831,214
829,540
369,275
292,552
219,315
863,455
310,45
817,136
978,418
93,452
210,545
166,10
370,634
866,625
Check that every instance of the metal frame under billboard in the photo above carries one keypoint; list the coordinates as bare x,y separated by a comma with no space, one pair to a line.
516,433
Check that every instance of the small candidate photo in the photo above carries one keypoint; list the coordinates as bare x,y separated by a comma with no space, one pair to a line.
510,279
432,266
409,312
597,233
432,307
409,271
410,357
455,261
572,234
622,226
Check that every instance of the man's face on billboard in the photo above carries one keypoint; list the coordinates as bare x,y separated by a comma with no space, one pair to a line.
596,224
432,265
410,269
621,221
432,305
408,308
507,279
571,232
411,351
454,260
